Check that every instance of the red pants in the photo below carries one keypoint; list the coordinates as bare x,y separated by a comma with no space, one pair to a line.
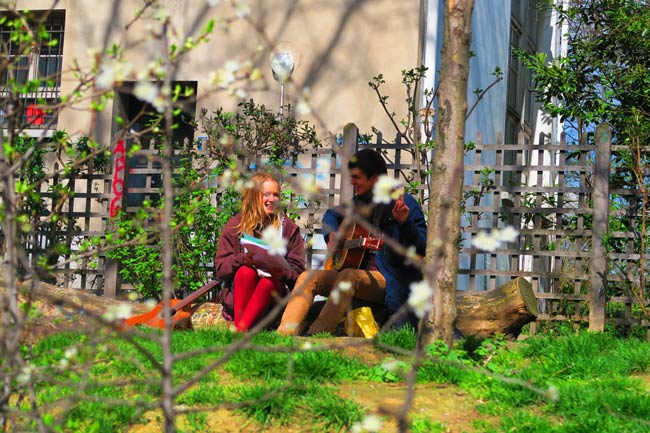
253,294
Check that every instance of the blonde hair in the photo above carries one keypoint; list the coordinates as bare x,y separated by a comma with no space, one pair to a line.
253,215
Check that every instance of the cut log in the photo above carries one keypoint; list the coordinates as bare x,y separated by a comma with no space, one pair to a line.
504,310
59,309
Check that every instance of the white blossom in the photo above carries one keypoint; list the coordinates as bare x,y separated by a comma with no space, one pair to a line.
241,184
111,72
231,67
411,253
307,346
392,365
421,298
386,189
25,375
291,326
213,3
71,352
485,241
106,77
154,69
226,178
162,13
309,186
371,423
117,312
150,303
273,238
552,393
149,92
242,9
241,93
507,234
255,74
217,78
335,296
323,165
227,141
227,75
495,239
303,107
344,286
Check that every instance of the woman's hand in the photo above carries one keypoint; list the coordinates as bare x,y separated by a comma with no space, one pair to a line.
258,261
248,260
277,273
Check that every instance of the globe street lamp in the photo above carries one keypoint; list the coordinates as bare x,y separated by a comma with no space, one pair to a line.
283,62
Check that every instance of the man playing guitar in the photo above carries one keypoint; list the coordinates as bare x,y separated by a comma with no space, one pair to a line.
378,274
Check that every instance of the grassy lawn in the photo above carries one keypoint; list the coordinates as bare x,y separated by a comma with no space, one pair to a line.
101,383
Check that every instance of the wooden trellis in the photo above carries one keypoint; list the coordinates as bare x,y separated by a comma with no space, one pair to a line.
555,194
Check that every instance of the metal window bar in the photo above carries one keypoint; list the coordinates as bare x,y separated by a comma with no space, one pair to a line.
44,62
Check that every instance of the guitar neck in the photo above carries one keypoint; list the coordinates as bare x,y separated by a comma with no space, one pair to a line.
364,242
353,243
195,295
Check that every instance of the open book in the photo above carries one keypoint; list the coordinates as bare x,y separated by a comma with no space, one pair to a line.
263,260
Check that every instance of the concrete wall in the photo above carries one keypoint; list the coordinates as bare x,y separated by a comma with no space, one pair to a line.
342,45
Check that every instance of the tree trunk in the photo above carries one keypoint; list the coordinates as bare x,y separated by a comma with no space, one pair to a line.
447,171
504,310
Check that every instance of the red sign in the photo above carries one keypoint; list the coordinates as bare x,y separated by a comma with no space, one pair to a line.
118,179
35,115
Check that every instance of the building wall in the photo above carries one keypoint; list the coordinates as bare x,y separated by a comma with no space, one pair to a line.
342,45
507,108
490,42
491,39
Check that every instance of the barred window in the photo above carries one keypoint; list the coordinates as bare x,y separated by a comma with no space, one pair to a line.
31,67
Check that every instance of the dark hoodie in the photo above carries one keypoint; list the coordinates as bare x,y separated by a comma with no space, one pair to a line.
413,232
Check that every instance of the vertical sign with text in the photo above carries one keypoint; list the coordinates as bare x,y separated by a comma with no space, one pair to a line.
117,184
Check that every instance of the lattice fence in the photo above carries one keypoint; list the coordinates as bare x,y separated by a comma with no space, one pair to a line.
545,190
558,196
84,213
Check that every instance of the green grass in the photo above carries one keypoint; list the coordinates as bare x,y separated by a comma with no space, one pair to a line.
275,403
334,412
318,366
426,425
403,338
113,381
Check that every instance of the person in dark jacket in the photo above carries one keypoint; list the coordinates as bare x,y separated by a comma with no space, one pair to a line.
255,278
381,276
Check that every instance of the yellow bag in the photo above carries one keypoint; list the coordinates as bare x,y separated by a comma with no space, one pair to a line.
361,323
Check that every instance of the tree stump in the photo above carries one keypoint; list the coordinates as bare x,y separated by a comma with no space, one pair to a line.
504,310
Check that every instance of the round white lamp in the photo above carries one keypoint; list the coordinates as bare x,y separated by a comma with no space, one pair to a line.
282,66
284,60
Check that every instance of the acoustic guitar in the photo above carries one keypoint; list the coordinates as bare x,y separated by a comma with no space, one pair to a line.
351,250
181,318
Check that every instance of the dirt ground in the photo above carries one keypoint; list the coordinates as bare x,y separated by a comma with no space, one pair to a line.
62,309
442,403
